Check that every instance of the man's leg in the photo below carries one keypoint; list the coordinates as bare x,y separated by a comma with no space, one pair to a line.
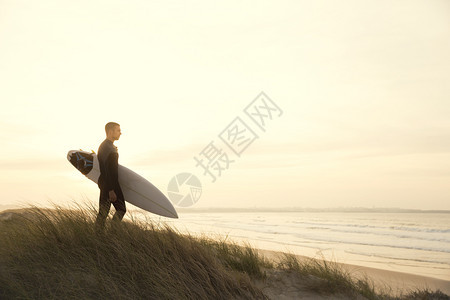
119,205
103,209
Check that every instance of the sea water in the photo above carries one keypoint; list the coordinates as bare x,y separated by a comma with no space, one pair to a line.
416,243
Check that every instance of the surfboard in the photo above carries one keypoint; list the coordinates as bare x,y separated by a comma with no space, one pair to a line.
136,189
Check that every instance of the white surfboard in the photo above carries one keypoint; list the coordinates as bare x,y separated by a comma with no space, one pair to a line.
136,189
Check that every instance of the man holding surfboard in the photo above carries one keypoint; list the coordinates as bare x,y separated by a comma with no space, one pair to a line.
108,182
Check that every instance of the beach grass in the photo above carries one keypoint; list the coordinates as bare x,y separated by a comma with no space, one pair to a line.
57,254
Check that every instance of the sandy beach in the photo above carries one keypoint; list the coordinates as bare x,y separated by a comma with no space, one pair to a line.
285,287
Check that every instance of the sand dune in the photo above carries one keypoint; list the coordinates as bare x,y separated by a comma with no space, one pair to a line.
71,231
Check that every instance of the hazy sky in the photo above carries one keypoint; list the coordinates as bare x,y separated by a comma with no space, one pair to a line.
364,88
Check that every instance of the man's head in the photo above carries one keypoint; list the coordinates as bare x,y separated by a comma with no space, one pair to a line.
112,130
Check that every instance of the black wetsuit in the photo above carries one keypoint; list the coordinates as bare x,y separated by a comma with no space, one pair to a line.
108,158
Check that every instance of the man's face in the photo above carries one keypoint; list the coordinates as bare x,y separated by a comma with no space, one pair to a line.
115,133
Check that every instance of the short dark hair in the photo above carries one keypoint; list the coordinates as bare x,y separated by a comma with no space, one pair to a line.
110,126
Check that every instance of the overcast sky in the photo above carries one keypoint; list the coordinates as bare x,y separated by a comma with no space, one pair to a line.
363,87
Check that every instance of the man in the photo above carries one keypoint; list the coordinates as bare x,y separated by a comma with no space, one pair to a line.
108,182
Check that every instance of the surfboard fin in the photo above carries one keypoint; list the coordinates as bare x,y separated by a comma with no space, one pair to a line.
92,151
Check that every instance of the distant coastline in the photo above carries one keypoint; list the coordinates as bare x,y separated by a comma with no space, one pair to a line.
308,209
282,209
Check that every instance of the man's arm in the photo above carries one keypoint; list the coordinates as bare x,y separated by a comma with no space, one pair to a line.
112,176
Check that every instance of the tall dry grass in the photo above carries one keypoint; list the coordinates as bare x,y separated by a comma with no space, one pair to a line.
57,254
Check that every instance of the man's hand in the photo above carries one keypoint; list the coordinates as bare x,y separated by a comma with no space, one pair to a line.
112,196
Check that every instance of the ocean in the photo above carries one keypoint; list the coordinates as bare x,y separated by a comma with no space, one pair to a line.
415,243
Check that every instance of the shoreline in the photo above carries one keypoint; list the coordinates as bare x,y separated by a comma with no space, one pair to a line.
337,237
397,281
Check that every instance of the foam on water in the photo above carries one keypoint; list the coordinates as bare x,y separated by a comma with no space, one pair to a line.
417,243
